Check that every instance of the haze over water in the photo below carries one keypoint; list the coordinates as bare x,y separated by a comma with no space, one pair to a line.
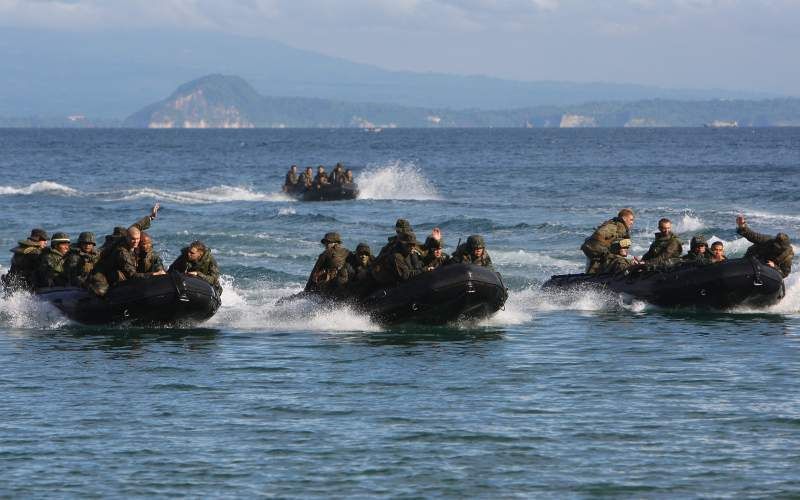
570,394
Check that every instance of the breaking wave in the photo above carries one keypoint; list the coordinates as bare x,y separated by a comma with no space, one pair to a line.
689,224
23,310
41,187
400,181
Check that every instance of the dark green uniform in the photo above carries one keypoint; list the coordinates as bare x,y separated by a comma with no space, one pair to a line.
464,253
614,263
694,254
306,180
24,265
321,179
663,249
149,262
595,247
51,269
290,183
326,269
778,248
398,264
206,268
337,175
120,233
79,265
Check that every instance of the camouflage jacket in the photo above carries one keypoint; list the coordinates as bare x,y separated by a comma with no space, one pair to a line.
698,258
111,241
595,247
51,269
291,178
123,265
149,262
321,179
206,268
337,176
79,265
663,249
327,267
464,255
24,265
614,263
306,180
431,260
766,247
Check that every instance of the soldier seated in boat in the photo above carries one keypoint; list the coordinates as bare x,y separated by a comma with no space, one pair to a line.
665,247
121,233
325,276
321,179
717,253
25,261
355,277
337,175
400,226
306,179
120,266
147,259
81,260
473,252
435,256
616,259
596,246
196,260
698,250
290,184
775,251
51,263
348,176
399,264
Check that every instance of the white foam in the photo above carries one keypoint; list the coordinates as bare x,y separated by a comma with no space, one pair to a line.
399,181
48,187
689,223
522,258
257,309
214,194
23,310
757,214
287,211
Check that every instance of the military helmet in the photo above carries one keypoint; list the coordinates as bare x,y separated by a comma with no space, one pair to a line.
38,235
476,241
86,237
363,249
407,237
402,225
617,245
59,238
698,240
331,237
432,243
120,231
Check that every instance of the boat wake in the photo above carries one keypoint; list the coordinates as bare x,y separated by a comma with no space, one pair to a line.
399,181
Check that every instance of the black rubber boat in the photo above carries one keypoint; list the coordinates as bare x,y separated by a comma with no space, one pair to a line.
328,192
169,299
449,293
727,284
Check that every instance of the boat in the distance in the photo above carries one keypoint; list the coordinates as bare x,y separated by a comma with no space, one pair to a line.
327,192
727,284
159,300
449,293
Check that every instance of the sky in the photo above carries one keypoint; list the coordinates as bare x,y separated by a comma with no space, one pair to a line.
726,44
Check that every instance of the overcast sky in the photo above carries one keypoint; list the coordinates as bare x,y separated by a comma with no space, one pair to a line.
732,44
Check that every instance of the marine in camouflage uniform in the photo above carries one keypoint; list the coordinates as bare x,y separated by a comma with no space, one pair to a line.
25,261
431,260
307,179
196,259
400,226
337,175
400,264
698,250
290,184
81,260
776,249
51,264
323,277
473,252
595,247
358,280
321,178
120,233
148,260
616,260
665,247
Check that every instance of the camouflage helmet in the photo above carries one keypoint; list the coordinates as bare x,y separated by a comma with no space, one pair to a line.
432,243
402,225
782,240
331,237
86,237
38,235
363,249
698,240
59,238
120,231
618,245
476,241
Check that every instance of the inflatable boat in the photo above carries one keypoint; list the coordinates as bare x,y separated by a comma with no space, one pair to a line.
450,293
723,285
169,299
328,192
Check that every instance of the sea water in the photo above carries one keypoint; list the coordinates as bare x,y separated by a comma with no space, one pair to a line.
559,394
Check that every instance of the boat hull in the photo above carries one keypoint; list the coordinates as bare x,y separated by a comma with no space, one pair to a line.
169,299
732,283
328,192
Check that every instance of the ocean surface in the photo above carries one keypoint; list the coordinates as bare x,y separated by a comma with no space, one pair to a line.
558,395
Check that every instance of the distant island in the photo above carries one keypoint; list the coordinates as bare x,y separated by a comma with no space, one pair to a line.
222,101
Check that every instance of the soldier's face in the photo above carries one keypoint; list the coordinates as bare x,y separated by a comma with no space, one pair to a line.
701,249
194,254
478,252
665,228
717,251
437,252
133,239
42,243
62,248
623,252
628,220
146,245
364,259
87,247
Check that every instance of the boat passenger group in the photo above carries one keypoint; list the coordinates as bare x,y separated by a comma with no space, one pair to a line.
606,249
295,182
126,254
